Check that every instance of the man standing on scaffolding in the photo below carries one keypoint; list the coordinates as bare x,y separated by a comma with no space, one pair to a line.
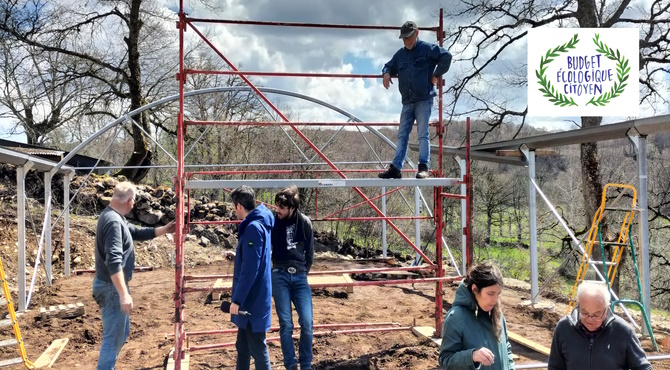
292,256
419,66
251,308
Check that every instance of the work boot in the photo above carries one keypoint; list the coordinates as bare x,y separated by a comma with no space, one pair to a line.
391,173
423,171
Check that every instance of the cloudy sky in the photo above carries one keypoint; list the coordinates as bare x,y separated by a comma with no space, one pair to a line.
295,49
292,49
344,51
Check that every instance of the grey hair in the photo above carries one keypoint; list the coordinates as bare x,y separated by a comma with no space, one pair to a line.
594,287
124,191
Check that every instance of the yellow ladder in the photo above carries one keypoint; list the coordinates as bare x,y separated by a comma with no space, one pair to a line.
15,324
594,238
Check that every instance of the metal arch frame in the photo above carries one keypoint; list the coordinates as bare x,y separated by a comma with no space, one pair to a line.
128,117
172,98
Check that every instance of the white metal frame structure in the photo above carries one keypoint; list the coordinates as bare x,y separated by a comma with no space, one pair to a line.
635,130
25,163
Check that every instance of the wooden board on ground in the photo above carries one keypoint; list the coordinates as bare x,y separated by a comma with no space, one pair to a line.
62,311
393,275
224,285
331,279
49,356
528,343
426,332
347,278
184,361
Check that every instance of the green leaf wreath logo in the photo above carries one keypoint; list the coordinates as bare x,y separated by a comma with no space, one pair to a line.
622,70
547,89
559,99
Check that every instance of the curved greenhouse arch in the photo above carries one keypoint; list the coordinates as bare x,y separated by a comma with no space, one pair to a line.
172,98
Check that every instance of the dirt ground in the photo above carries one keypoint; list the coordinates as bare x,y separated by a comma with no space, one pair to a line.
152,327
151,324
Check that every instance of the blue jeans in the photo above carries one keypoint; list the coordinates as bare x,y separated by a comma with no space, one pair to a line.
115,323
250,344
287,288
419,111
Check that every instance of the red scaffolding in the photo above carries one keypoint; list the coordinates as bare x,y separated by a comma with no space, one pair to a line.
182,178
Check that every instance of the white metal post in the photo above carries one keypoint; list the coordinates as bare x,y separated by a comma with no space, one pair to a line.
66,221
47,224
643,222
384,222
532,224
417,224
21,172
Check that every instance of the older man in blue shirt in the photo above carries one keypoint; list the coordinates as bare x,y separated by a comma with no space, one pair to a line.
419,67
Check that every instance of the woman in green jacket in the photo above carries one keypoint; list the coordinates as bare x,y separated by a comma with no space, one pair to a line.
474,334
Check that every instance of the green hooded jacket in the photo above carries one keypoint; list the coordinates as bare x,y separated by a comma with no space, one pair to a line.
463,333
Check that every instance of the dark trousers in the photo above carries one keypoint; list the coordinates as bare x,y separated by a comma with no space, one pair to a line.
250,344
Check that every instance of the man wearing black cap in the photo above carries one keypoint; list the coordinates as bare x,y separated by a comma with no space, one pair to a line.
418,67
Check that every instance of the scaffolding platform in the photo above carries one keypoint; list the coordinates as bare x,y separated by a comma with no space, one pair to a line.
321,183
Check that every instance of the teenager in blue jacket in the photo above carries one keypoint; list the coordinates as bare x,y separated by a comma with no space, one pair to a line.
474,334
419,66
252,284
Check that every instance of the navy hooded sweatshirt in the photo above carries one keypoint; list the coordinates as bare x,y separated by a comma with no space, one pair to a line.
252,282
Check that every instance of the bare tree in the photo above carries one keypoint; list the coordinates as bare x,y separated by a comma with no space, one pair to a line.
492,193
492,79
41,90
112,43
496,27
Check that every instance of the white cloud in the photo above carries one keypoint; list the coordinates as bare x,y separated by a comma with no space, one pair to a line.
322,50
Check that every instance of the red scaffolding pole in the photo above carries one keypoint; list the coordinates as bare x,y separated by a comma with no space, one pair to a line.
183,203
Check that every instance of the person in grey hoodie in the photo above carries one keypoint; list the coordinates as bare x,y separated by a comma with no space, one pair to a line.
474,333
591,337
114,264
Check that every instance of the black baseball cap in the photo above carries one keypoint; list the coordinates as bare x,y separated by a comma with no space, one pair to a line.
408,29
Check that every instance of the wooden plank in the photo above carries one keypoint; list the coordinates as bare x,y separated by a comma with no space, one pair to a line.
528,343
225,285
426,332
184,361
347,279
222,285
10,362
49,356
8,342
62,311
329,279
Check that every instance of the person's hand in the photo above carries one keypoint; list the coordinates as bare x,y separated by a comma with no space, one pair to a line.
484,356
126,303
387,81
434,80
170,227
165,229
234,308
